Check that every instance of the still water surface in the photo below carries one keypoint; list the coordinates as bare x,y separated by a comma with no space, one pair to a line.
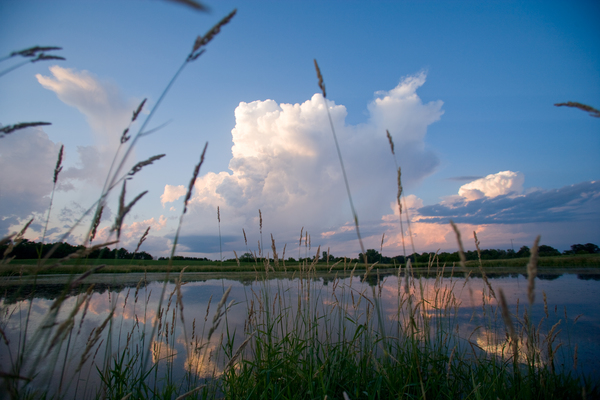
571,301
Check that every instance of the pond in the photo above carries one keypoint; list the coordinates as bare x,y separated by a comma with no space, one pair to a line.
189,332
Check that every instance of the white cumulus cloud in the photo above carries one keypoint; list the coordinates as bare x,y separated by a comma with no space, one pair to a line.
504,182
172,193
284,162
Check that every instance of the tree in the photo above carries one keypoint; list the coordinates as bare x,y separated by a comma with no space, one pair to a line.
423,258
372,256
142,255
325,257
247,257
547,251
588,248
523,252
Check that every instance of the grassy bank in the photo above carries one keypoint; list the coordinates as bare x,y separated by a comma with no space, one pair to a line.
30,267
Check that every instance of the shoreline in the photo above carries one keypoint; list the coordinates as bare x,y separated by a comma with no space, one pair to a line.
120,278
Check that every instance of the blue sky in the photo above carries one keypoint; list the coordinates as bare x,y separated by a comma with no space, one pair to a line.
466,89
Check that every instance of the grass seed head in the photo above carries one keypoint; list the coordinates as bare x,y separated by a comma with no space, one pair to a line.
124,137
196,6
58,167
390,141
32,51
584,107
5,130
45,57
204,40
188,195
461,249
124,209
398,196
321,83
137,167
139,109
142,239
96,223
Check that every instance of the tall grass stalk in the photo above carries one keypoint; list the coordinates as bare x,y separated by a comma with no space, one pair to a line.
339,153
399,198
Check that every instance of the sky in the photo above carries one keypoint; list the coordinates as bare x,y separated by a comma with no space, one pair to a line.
466,90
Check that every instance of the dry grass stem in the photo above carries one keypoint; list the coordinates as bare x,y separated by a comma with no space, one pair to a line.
275,257
191,392
369,268
77,281
337,147
14,240
461,249
218,313
399,195
142,240
238,351
508,322
81,253
532,270
483,274
584,107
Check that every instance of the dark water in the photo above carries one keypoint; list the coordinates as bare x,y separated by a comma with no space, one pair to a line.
571,302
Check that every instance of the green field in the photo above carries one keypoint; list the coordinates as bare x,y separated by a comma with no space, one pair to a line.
30,267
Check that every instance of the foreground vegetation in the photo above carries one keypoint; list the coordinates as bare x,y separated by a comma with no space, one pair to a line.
299,341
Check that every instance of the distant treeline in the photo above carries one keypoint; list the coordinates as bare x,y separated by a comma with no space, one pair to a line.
32,250
486,254
182,258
